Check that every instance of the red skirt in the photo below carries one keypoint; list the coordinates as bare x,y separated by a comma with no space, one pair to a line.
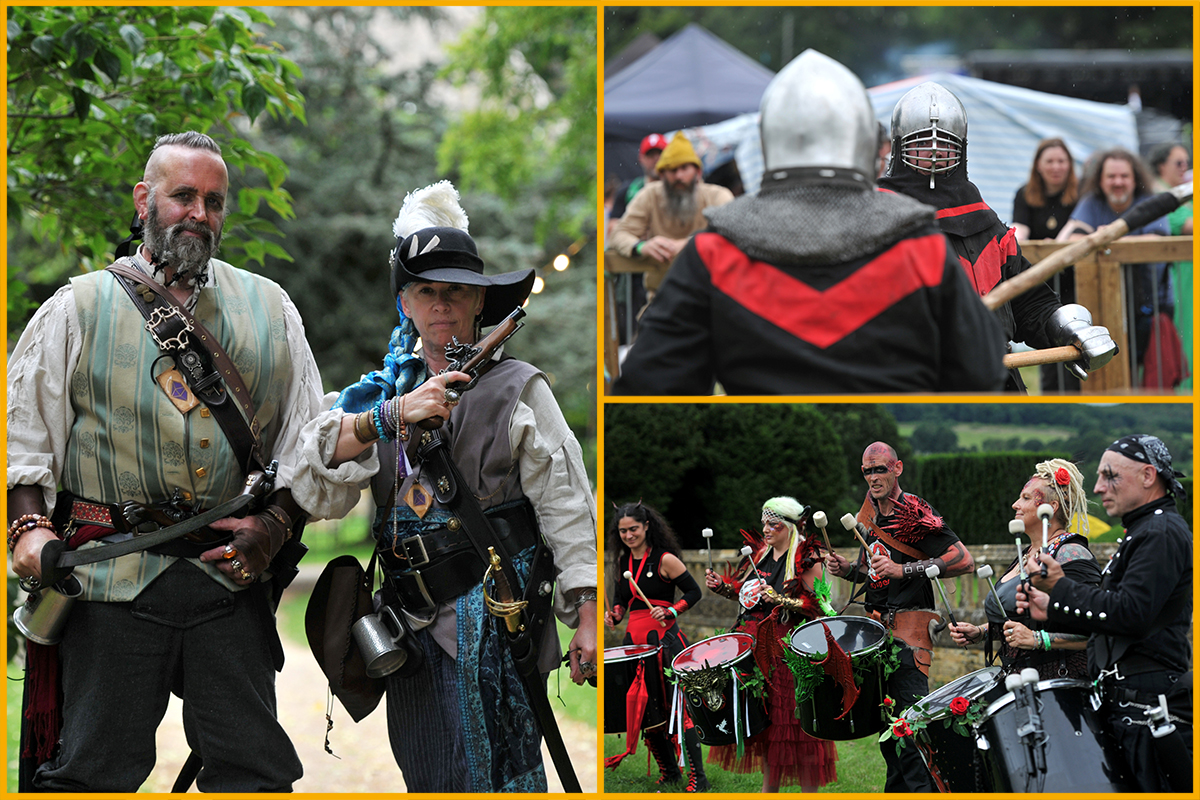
791,756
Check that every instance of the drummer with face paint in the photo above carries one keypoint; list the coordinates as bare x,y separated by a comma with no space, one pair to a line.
1139,653
777,596
906,536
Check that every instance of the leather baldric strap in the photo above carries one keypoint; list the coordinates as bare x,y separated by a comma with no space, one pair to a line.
866,515
206,367
454,493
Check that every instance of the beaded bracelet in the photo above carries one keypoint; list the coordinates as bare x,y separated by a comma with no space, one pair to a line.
23,524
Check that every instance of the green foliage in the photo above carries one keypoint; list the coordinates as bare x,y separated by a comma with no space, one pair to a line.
866,38
974,492
372,136
714,465
536,124
89,90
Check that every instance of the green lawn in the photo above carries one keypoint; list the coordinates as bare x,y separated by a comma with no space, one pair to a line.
860,769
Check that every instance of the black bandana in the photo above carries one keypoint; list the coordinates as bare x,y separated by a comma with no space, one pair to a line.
1151,450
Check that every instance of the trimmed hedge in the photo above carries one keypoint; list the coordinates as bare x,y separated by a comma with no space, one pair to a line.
974,492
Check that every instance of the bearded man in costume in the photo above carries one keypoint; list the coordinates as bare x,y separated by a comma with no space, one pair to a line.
817,283
906,536
929,164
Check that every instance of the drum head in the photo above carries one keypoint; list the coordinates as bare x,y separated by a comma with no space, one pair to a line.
972,686
714,652
628,652
853,634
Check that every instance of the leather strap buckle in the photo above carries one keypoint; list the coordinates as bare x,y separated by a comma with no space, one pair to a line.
419,582
415,552
161,315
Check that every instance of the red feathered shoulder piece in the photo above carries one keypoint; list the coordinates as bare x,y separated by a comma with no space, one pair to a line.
913,519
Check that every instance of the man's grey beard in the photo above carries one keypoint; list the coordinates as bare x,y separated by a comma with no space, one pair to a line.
169,247
681,202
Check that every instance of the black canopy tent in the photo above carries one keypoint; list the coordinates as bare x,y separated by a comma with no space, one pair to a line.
692,78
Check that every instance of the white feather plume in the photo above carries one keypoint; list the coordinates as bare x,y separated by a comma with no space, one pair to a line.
435,206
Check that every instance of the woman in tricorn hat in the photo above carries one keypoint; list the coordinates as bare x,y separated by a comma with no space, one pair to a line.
464,722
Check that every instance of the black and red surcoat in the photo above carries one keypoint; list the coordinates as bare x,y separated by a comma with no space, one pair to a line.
987,251
902,319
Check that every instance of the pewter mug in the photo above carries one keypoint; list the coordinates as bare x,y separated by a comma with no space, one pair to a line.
379,642
44,615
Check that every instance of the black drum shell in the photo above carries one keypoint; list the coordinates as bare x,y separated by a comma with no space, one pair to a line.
956,757
1080,755
855,635
620,669
714,727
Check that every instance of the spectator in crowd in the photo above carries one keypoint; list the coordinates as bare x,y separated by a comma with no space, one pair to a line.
1171,165
648,154
660,220
1040,209
1119,182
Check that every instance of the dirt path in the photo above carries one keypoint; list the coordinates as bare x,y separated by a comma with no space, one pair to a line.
366,763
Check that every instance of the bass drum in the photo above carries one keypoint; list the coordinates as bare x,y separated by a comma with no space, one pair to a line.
1045,737
857,636
622,666
711,675
952,758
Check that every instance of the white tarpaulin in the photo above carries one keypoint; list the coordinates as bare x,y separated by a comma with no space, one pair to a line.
1004,125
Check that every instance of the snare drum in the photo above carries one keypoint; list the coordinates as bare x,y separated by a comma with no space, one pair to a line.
620,672
1064,747
955,757
858,636
710,675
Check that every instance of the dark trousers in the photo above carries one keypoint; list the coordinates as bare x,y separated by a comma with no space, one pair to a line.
1156,765
185,633
906,771
423,724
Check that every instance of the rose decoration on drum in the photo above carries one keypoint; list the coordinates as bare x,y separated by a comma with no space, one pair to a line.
959,706
900,728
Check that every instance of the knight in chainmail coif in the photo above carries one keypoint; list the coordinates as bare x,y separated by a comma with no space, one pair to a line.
818,283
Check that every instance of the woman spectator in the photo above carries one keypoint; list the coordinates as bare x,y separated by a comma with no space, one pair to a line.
642,544
790,564
1040,209
1024,643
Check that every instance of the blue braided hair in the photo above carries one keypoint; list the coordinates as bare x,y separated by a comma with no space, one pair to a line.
401,372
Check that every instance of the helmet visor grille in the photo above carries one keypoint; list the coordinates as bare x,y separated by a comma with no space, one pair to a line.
931,150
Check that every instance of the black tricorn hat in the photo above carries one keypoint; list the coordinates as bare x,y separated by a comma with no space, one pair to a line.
449,255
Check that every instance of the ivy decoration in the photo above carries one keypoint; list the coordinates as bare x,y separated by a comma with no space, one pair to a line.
808,676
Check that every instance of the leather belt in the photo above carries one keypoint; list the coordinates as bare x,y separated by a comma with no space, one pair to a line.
139,518
433,567
1137,665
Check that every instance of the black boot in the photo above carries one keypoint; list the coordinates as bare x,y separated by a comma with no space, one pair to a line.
697,782
661,747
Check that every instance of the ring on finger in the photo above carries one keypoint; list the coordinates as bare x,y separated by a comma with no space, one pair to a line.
244,575
230,552
236,564
587,667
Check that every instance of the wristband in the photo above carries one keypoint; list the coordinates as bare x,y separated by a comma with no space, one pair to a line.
915,569
582,596
1045,637
637,248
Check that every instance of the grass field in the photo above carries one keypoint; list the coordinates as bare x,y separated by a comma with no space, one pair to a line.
974,434
860,769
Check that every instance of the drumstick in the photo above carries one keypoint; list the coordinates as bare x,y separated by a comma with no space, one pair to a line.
746,551
852,525
1045,511
640,594
1016,527
932,571
820,520
985,571
707,533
